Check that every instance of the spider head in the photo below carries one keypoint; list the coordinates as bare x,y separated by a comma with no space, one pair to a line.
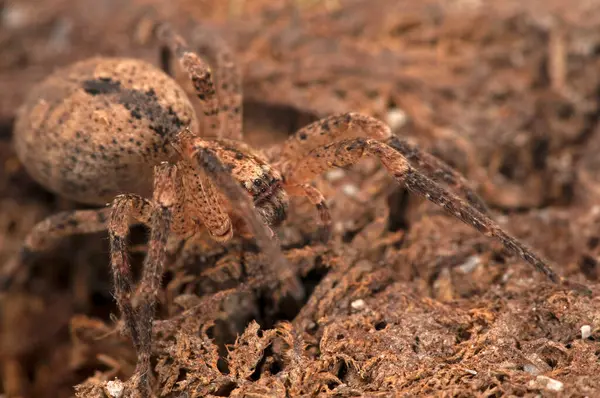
265,185
260,180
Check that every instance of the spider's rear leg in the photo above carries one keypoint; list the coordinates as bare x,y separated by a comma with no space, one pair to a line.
354,125
199,73
47,233
348,152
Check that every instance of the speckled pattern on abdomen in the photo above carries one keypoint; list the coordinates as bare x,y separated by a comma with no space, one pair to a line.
94,129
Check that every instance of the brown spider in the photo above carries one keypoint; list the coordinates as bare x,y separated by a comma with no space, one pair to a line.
95,130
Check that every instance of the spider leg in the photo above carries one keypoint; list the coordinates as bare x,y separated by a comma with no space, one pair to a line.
348,152
45,234
325,131
156,214
203,204
125,210
164,199
316,198
199,72
228,79
354,125
438,170
206,161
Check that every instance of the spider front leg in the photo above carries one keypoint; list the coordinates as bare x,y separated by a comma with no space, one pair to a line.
158,215
354,125
126,209
164,198
346,153
203,205
437,170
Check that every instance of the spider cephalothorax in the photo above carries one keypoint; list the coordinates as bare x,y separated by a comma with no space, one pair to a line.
122,130
262,181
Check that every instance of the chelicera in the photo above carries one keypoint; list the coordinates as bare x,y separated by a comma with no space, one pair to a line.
122,131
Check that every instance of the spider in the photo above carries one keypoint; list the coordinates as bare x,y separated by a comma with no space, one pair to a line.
121,130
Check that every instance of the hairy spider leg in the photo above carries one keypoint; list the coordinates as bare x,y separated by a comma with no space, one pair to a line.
228,80
199,73
355,125
158,214
126,210
438,170
202,205
347,152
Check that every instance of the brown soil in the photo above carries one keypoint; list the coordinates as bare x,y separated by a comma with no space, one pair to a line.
404,299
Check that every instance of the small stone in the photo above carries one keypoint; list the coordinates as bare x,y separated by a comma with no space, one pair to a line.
471,372
548,383
335,174
358,304
114,388
586,331
396,118
350,190
311,326
529,368
468,266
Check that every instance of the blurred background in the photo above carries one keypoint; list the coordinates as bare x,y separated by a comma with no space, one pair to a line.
506,91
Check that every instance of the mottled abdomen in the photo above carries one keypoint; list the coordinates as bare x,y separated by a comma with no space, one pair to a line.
95,129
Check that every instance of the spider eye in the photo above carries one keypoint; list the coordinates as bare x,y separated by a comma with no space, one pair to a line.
257,182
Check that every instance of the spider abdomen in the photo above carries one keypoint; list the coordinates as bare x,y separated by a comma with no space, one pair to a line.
94,129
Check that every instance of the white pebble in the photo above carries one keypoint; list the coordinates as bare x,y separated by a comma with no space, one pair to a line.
114,388
350,190
358,304
335,174
586,331
549,384
469,265
396,118
529,368
471,372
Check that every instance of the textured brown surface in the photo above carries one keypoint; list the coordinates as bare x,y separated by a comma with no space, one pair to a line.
404,298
